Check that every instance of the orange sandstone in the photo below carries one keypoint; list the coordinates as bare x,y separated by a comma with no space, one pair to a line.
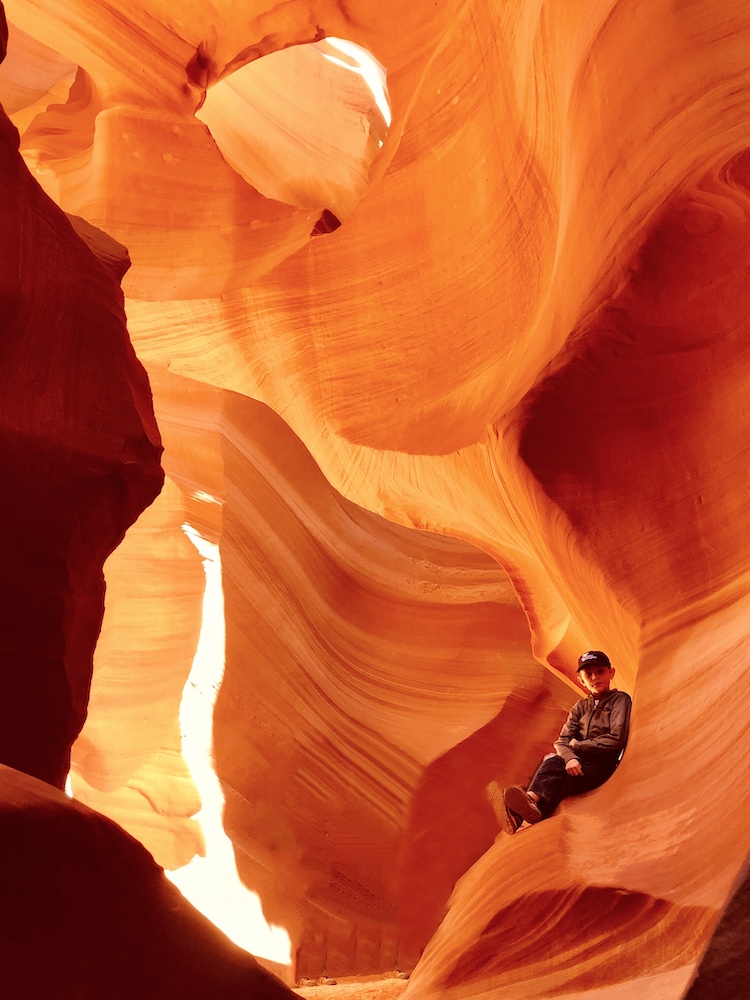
527,339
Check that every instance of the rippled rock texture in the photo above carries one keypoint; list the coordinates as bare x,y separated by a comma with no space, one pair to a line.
512,317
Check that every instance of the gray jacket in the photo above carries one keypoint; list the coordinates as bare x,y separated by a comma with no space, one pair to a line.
595,730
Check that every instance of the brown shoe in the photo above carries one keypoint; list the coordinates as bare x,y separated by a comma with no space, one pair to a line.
517,801
509,823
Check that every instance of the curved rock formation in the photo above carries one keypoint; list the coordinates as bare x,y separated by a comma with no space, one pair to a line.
80,452
528,336
372,658
85,912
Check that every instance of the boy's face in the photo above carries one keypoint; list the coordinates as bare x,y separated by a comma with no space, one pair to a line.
596,679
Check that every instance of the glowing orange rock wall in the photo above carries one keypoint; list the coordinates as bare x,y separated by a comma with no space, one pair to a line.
528,335
363,662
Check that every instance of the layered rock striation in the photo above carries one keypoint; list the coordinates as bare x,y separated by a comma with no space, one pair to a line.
527,341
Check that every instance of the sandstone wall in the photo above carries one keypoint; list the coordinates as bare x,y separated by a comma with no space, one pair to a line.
527,340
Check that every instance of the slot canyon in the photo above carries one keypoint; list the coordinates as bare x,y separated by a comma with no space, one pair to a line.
364,363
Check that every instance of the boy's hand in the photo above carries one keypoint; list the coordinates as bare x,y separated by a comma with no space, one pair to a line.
574,767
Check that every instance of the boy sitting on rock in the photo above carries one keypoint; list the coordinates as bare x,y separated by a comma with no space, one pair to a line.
586,753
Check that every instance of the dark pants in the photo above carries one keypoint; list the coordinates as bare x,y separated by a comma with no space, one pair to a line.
552,783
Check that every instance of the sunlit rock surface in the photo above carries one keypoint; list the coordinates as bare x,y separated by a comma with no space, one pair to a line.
529,337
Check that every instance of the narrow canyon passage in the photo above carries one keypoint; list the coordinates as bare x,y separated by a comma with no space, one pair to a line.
429,323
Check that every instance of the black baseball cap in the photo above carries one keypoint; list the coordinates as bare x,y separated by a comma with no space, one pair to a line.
594,658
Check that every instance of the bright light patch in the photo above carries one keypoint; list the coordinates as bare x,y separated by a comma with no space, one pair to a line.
211,883
304,124
205,498
360,61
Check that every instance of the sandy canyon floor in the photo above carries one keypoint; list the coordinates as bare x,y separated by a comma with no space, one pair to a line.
380,989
